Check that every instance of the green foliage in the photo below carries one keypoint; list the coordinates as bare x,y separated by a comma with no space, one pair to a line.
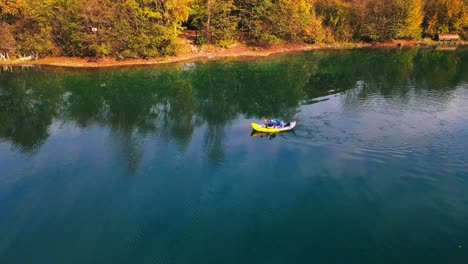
200,40
95,28
341,17
266,22
216,21
392,19
254,21
296,21
411,19
147,28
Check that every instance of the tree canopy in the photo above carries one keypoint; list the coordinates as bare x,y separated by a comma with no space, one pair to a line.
149,28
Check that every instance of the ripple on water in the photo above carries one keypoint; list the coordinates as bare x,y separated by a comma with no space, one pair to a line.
15,180
359,168
167,229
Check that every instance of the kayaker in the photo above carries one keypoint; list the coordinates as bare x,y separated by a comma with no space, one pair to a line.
271,122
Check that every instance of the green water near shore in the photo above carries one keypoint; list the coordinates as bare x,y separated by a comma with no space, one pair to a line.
157,164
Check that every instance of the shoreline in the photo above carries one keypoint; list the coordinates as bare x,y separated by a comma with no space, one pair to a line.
190,52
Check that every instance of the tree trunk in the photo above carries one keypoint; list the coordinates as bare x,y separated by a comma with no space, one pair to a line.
208,20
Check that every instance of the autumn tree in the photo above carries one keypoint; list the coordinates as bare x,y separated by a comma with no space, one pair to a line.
216,21
266,21
255,21
390,19
10,12
8,43
33,31
441,16
341,17
296,21
150,28
408,19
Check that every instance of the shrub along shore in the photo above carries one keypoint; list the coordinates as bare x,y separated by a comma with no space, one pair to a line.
155,31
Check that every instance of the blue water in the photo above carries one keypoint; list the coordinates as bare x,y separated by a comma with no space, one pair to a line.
159,165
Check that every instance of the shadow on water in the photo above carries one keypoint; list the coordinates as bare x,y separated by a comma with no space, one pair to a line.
171,101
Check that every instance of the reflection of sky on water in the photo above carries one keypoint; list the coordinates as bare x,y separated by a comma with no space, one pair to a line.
187,195
155,162
398,118
349,134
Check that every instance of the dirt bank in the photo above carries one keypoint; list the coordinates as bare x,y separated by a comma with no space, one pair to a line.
190,52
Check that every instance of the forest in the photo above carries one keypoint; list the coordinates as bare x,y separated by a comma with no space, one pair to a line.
150,28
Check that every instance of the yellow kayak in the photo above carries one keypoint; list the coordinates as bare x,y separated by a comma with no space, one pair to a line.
263,128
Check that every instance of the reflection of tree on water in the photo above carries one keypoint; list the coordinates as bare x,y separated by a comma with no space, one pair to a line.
6,69
214,143
216,105
129,144
171,102
26,111
273,89
138,109
400,72
439,68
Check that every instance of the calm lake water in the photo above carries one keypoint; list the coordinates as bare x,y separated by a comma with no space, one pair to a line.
158,164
